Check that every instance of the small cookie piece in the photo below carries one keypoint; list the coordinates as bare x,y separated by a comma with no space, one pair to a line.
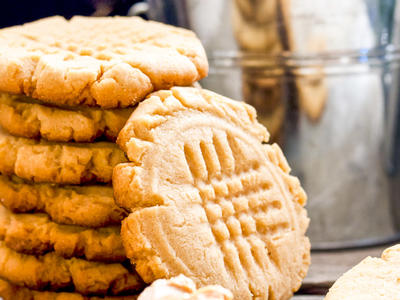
372,279
9,291
67,163
104,61
36,234
89,206
208,199
183,288
54,273
23,116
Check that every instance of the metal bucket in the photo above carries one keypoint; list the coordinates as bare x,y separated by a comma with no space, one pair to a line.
324,78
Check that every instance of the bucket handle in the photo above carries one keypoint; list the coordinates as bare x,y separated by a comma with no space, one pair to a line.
140,8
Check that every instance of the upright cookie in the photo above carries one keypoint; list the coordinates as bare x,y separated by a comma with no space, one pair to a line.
372,279
90,206
23,116
54,273
67,163
108,62
36,234
9,291
208,199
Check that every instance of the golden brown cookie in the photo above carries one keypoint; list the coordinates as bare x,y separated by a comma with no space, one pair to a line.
23,116
9,291
68,163
108,62
36,234
223,209
372,279
54,273
90,206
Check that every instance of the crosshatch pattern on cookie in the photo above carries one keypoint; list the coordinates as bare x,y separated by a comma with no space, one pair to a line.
235,205
243,223
248,208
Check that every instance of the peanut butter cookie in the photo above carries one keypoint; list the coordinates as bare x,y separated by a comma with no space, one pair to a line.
67,163
10,291
90,206
103,61
36,234
54,273
208,199
23,116
372,279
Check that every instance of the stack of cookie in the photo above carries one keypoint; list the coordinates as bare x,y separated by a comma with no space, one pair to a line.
66,90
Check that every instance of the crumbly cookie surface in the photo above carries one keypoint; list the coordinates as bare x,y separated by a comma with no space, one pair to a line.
64,163
183,288
36,234
9,291
54,273
372,279
89,206
22,116
208,199
107,62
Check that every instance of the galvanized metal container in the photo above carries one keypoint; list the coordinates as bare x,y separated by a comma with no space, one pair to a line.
324,78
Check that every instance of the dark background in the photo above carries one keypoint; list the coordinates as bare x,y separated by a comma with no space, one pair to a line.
22,11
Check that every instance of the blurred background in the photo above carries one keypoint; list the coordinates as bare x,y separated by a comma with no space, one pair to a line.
22,11
324,78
